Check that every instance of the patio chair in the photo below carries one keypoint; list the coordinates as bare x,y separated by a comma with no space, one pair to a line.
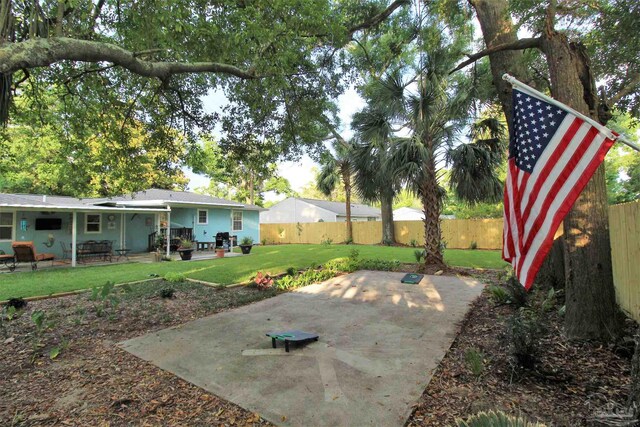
66,251
26,252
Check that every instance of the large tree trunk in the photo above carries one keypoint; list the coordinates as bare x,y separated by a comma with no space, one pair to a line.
388,231
497,28
591,312
346,179
431,205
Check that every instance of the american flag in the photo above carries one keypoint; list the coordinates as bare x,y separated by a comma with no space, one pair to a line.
552,155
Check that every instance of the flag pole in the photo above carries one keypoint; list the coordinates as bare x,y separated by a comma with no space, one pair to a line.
526,88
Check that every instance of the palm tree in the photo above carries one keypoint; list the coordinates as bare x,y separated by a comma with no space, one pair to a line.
475,166
373,179
335,168
432,109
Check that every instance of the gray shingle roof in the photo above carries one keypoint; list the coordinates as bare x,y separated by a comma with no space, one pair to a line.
147,195
340,208
43,200
154,194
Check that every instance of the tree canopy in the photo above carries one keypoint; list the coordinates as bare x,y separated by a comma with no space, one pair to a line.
279,63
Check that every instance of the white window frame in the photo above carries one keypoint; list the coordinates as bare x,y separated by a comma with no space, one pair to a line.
13,227
233,221
206,211
86,223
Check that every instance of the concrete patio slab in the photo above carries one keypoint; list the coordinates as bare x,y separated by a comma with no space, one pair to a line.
380,341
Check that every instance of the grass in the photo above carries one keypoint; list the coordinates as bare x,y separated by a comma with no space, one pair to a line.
274,259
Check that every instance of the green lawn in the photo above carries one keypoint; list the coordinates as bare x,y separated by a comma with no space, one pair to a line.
273,259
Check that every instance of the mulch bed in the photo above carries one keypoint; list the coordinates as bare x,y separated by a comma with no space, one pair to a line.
93,382
573,384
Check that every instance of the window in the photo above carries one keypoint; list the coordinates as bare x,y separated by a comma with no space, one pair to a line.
92,223
203,216
236,220
6,226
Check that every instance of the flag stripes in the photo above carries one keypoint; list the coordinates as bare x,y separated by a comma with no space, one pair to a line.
545,176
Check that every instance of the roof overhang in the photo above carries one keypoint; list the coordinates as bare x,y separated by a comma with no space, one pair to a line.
172,203
53,208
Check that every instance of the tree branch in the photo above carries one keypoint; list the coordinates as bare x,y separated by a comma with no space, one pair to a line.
96,13
626,89
44,52
377,19
517,45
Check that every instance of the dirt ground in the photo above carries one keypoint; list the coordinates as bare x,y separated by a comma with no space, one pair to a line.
92,382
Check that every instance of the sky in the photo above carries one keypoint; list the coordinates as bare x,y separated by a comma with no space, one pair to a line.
299,173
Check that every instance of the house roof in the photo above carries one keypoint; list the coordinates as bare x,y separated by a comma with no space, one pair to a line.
46,202
153,198
340,208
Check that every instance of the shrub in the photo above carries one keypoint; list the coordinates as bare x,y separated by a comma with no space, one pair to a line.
496,419
354,254
104,298
348,241
346,265
185,243
17,303
291,271
263,281
550,301
387,242
499,295
413,243
379,264
326,241
517,294
173,277
525,332
246,241
474,359
167,293
263,242
473,245
419,254
286,282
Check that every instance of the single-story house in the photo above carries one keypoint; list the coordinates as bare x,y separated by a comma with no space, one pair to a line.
301,210
133,222
413,214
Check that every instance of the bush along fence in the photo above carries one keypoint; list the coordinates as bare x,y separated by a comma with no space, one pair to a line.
315,274
457,233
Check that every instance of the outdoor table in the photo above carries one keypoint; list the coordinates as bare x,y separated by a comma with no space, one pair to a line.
291,336
123,253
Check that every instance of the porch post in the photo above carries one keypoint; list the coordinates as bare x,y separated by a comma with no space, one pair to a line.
74,238
168,231
123,231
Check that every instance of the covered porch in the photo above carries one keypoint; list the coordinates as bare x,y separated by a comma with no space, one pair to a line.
140,257
76,235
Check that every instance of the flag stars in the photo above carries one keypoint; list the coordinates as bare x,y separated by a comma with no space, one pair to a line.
535,123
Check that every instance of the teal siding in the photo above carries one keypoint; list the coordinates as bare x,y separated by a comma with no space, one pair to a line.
138,228
41,240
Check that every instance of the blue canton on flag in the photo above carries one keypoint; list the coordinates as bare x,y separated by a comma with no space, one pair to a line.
535,122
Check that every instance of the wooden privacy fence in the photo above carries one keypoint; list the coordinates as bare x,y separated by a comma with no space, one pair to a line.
458,233
624,228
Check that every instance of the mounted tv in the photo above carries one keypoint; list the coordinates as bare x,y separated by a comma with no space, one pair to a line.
48,223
